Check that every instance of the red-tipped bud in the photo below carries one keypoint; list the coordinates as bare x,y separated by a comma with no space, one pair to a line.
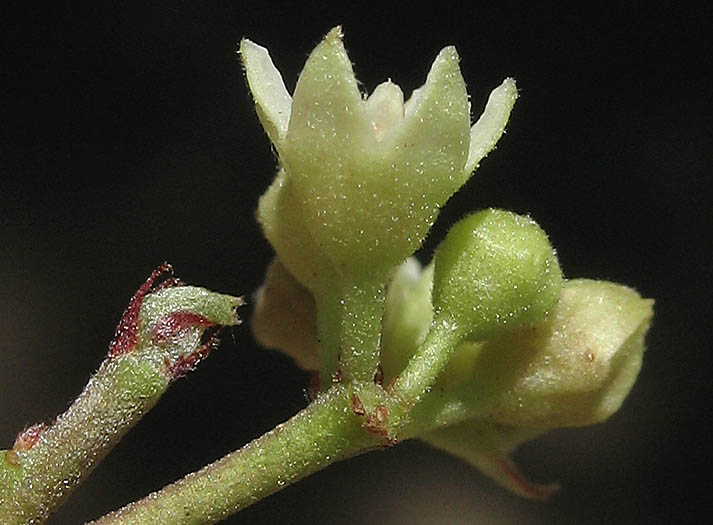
29,437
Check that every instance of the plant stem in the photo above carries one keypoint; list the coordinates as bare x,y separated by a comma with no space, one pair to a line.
360,338
439,409
422,370
158,339
328,309
323,433
116,397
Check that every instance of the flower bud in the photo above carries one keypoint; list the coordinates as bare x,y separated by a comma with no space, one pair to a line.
494,270
407,315
574,369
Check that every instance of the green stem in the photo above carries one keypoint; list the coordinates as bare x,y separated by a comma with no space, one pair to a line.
323,433
328,309
413,383
440,409
360,338
116,397
160,344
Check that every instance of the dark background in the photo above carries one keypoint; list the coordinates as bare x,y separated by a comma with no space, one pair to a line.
129,138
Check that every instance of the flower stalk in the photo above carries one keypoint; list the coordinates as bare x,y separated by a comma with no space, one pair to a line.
360,338
325,432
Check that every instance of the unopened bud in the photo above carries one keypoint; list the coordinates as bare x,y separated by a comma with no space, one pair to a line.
495,270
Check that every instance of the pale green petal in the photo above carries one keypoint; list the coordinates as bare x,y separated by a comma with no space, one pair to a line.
328,122
431,146
285,317
486,132
280,215
385,110
328,150
272,100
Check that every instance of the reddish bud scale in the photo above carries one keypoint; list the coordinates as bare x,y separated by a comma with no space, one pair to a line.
126,334
375,422
171,325
357,405
314,385
532,490
29,437
186,363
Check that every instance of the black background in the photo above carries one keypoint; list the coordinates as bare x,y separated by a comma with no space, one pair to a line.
129,138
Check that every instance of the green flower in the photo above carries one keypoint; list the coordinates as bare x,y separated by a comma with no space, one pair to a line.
362,179
484,349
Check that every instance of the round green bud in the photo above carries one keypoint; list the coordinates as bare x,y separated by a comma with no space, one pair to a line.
495,270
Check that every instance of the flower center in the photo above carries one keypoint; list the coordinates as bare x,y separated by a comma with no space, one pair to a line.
385,109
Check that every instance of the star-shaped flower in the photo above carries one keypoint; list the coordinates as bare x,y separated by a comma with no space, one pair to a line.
363,178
